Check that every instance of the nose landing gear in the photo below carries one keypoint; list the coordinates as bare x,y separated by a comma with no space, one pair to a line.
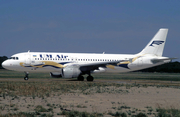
26,76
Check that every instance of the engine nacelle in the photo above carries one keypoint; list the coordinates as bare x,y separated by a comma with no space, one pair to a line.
100,70
55,75
71,71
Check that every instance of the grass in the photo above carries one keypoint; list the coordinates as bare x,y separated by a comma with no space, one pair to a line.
168,112
118,114
15,74
139,76
23,114
105,76
80,114
39,108
41,89
161,113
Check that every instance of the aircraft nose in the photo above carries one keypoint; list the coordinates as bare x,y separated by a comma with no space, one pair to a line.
5,64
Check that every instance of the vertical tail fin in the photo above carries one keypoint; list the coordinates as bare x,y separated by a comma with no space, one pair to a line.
156,45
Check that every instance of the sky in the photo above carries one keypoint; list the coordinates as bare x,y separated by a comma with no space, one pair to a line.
87,26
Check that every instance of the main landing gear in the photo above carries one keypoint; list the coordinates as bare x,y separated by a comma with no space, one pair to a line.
26,75
89,78
80,78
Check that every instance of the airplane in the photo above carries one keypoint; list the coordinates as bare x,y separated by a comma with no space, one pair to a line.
75,65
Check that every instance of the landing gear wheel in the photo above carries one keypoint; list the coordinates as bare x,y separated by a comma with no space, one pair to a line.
80,78
25,78
90,78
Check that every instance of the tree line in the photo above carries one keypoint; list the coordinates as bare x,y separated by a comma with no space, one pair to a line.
2,58
172,67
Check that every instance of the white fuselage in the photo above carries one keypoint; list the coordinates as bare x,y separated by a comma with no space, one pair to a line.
48,62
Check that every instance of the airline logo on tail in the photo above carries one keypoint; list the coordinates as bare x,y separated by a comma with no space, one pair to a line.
156,42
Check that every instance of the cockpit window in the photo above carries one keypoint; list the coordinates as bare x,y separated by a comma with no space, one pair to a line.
14,58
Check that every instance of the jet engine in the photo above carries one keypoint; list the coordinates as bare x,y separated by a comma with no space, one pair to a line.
71,71
99,70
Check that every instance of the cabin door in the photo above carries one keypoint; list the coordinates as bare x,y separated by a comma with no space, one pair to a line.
27,58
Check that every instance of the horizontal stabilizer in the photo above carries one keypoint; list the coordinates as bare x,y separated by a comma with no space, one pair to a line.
157,60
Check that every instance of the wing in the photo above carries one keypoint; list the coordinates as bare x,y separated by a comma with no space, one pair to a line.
88,67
